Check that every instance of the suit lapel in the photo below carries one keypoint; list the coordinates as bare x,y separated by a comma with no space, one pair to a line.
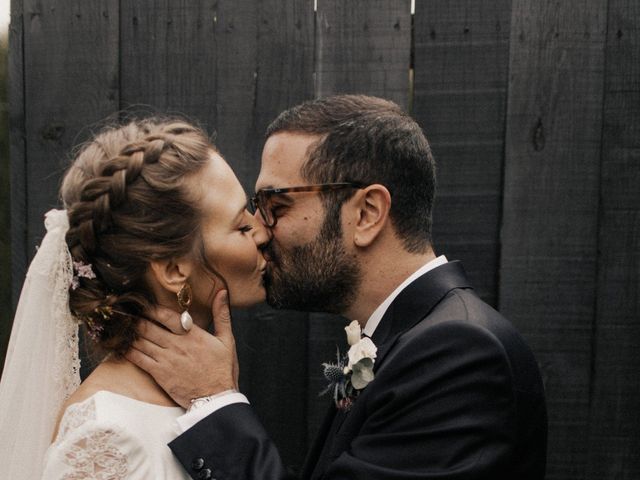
324,453
413,304
313,456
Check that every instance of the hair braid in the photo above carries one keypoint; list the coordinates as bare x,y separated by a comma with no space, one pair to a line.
109,190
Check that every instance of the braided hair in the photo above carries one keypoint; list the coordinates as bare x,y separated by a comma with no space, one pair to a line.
128,203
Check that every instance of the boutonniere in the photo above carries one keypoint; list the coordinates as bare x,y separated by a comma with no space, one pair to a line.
352,372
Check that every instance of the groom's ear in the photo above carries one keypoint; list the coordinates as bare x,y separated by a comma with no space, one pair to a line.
372,204
171,274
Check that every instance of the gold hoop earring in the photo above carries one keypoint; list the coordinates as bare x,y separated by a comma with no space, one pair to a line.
185,296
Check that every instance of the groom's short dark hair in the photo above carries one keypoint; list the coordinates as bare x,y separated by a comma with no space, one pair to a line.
369,140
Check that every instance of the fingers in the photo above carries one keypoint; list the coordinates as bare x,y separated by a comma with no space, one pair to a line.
222,316
154,333
143,361
166,317
148,348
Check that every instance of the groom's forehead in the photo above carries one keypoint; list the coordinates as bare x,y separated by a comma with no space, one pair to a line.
278,174
282,158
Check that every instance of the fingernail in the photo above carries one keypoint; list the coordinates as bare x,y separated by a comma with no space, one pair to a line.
225,297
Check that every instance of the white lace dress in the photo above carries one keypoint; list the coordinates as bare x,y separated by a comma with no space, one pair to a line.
112,437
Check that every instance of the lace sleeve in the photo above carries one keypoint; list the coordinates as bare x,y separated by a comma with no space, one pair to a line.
87,448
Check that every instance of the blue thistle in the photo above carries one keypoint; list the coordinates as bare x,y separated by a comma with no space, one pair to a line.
333,372
339,384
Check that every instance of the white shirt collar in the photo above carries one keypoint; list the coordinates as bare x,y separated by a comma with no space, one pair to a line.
379,312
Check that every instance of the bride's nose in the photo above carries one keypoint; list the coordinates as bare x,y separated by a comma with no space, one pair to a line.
261,234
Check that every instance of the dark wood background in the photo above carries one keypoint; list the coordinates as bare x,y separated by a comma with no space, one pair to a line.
533,111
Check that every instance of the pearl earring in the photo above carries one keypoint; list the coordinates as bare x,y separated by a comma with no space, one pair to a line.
184,300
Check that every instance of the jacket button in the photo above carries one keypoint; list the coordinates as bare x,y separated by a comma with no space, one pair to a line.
204,474
197,464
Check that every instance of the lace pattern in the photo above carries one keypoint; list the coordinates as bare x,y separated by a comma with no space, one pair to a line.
94,455
67,360
74,417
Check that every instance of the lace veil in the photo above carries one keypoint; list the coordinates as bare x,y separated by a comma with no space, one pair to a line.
42,367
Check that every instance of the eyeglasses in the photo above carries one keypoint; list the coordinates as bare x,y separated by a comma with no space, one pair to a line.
262,199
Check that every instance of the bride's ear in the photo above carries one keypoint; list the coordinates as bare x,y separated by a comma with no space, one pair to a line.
171,274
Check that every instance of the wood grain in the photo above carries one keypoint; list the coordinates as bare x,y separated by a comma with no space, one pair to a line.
550,213
168,58
17,149
614,424
460,89
284,70
70,83
14,208
363,46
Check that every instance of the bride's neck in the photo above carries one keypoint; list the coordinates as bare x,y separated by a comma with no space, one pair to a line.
128,379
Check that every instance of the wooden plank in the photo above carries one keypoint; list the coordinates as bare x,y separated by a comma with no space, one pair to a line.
168,62
10,175
549,232
284,73
363,46
236,75
242,71
460,84
17,151
614,433
71,82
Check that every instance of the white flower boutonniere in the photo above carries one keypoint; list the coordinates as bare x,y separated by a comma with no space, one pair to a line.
354,371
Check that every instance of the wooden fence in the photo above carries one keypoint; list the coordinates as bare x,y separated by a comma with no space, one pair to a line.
533,111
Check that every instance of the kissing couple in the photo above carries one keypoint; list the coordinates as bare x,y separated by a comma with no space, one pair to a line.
155,244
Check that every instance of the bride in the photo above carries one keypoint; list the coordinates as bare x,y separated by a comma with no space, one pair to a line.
151,209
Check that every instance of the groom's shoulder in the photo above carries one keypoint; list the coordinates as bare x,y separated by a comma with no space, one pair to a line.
463,306
463,315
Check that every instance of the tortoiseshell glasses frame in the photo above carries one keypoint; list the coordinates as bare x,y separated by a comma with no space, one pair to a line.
261,201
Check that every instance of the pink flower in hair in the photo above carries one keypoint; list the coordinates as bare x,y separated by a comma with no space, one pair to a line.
81,270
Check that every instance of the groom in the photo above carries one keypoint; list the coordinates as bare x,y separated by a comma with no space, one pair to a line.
346,188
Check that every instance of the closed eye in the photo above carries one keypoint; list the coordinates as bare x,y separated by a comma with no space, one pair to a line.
277,209
246,228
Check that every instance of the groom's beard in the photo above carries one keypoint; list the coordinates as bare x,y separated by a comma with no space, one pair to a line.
316,277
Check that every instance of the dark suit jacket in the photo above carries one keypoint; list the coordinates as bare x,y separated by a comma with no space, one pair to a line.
457,394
